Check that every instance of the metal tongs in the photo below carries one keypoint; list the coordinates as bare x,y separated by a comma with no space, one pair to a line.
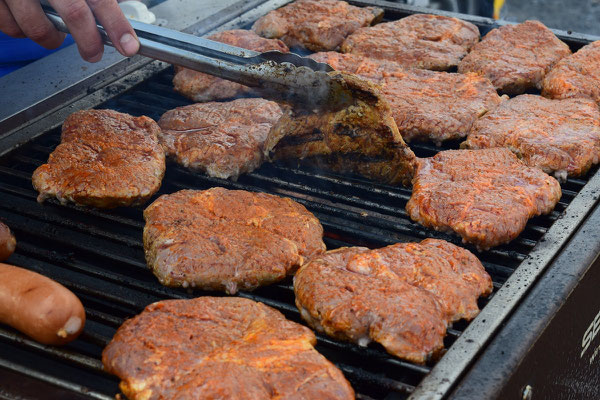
284,76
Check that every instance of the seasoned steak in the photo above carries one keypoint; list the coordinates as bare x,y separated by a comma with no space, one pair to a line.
221,239
420,41
575,76
223,140
220,348
558,136
486,196
105,159
344,295
368,68
315,24
360,137
515,57
203,87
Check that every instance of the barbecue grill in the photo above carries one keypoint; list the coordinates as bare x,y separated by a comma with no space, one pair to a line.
529,338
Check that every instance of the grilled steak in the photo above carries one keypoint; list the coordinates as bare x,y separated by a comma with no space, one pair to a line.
344,295
220,348
315,24
369,68
360,137
421,41
221,239
203,87
221,139
7,242
575,76
515,57
486,196
558,136
105,159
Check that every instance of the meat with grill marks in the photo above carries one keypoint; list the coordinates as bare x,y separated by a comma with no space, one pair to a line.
486,196
201,87
515,58
418,41
223,140
220,348
575,76
359,137
315,24
557,136
105,159
228,240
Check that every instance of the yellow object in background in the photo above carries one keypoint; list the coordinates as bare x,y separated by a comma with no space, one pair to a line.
497,7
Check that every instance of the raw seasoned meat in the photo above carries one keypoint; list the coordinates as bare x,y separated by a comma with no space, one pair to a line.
228,240
420,41
315,24
105,159
220,348
223,140
575,76
558,136
515,57
203,87
486,196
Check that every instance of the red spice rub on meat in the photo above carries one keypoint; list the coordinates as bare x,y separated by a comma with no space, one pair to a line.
575,76
204,87
221,239
421,41
223,140
105,159
515,57
220,348
315,24
558,136
486,196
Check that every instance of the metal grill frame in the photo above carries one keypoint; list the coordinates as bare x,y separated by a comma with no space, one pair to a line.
465,349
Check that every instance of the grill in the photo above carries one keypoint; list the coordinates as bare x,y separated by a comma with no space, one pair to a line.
99,254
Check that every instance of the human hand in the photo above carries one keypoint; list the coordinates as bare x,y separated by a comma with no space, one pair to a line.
25,18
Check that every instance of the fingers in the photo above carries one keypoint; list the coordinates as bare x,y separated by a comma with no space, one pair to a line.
32,22
118,28
8,25
82,25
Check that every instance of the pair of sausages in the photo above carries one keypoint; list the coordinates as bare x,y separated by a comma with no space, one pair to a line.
39,307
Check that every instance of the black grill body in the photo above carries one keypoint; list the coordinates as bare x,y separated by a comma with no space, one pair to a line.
99,255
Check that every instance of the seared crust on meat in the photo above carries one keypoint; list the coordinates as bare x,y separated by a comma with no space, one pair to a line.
557,136
315,24
369,68
575,76
221,239
338,294
360,137
486,196
204,87
223,140
105,159
515,57
420,41
220,348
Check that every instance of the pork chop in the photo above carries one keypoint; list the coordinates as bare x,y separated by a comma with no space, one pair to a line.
316,25
223,140
558,136
106,159
486,196
575,76
201,87
220,348
515,57
418,41
221,239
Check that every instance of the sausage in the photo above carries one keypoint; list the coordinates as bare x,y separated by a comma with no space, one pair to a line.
39,307
7,242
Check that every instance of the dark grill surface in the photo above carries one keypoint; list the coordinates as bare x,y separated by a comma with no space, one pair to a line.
99,254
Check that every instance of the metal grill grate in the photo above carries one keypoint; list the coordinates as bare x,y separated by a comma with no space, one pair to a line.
99,254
